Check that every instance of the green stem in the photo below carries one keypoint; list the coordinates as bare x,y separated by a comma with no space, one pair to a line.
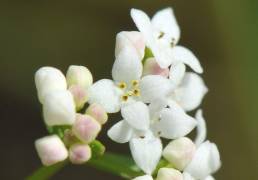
115,164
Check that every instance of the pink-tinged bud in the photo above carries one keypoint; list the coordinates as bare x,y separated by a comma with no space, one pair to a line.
151,67
97,112
180,152
51,150
169,174
79,153
86,128
79,75
80,95
134,39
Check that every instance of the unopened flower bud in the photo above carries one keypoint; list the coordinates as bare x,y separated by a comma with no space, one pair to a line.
179,152
151,67
49,79
86,128
145,177
79,75
51,150
80,96
98,113
79,153
134,39
59,108
169,174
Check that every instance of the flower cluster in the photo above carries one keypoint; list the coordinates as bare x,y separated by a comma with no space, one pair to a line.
73,132
154,92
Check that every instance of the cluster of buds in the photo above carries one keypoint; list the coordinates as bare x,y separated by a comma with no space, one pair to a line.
73,129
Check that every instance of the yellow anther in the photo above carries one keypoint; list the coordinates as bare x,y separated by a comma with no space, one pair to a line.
135,83
124,98
136,92
161,34
122,85
130,93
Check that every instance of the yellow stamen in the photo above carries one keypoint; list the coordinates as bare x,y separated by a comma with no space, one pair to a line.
136,92
124,98
161,34
122,85
135,83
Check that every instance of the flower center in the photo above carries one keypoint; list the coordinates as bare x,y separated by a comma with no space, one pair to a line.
129,90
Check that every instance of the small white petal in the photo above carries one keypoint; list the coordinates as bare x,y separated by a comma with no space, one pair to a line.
145,177
184,55
59,108
165,22
205,162
133,39
105,93
127,66
146,152
153,87
176,73
51,150
143,23
136,115
169,174
121,132
201,128
191,91
49,79
175,123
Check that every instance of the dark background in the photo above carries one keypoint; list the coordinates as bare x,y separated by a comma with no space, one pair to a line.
223,34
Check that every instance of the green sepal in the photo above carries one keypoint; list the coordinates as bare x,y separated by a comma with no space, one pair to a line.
97,149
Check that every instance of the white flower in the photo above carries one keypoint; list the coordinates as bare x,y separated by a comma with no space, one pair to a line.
59,108
161,34
51,150
206,160
49,79
143,127
127,85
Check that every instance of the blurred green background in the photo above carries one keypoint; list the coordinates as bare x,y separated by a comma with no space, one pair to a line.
223,34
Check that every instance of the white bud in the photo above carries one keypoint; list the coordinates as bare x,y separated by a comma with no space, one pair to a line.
51,150
145,177
79,153
79,75
134,39
86,128
151,67
169,174
49,79
179,152
98,113
59,108
80,96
